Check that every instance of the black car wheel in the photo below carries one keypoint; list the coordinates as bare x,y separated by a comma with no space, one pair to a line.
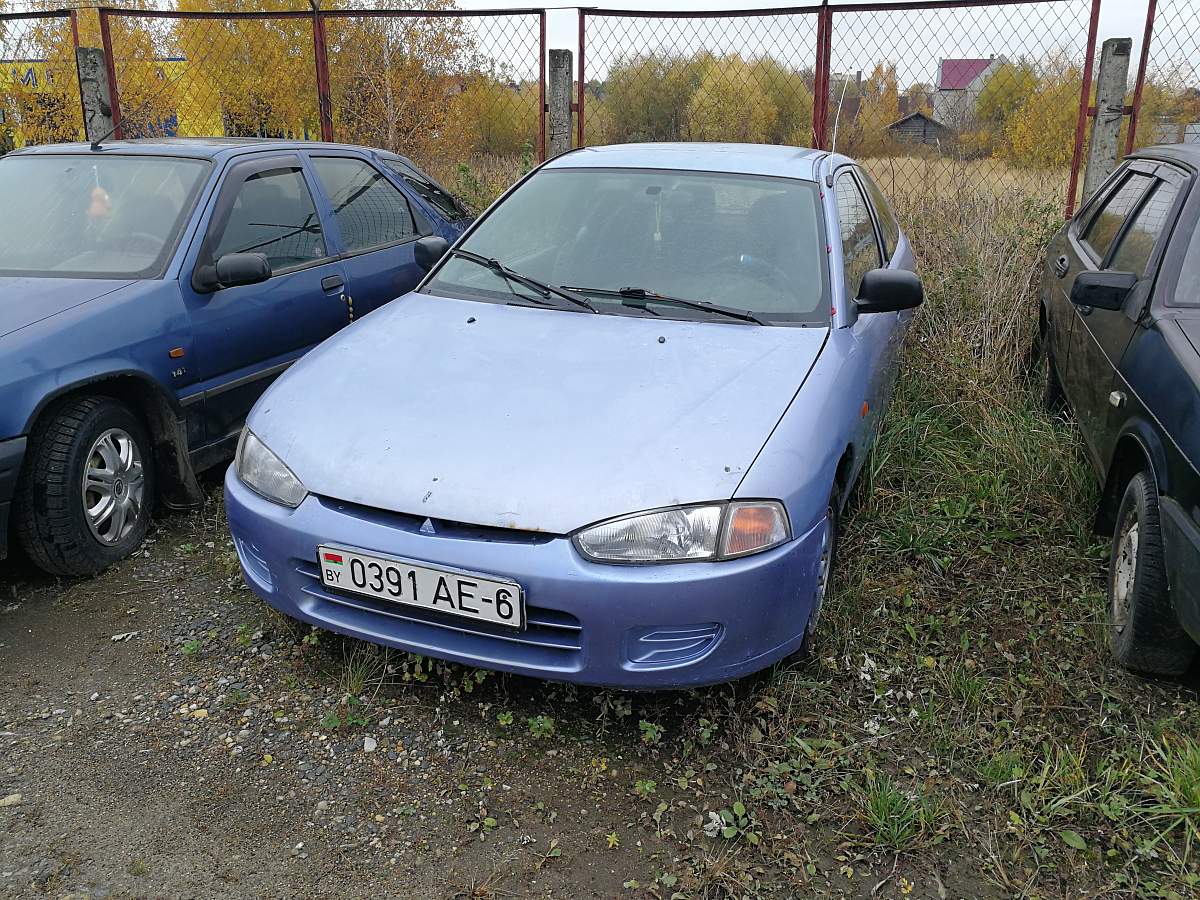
87,487
829,544
1053,398
1146,635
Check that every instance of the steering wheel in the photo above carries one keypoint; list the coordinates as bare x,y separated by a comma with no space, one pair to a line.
140,242
746,261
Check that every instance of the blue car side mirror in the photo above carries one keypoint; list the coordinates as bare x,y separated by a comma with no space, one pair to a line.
889,290
1102,290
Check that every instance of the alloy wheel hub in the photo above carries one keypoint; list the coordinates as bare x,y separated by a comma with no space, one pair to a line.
113,486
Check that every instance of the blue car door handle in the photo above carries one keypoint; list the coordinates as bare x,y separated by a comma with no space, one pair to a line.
1062,265
331,283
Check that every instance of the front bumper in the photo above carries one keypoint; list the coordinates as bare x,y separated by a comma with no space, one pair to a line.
12,453
659,626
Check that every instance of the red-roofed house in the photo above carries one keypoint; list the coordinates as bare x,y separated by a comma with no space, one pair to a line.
959,84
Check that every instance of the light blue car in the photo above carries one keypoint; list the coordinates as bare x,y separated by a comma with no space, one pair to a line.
607,439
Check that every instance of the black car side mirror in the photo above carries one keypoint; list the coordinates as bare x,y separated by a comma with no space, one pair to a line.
889,290
235,269
429,250
1102,290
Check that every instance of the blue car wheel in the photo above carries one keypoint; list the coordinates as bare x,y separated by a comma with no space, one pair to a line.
87,487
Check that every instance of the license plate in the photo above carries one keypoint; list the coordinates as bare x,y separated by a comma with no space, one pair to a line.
463,594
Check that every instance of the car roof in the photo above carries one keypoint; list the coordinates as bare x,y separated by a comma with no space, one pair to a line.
204,147
744,159
1187,155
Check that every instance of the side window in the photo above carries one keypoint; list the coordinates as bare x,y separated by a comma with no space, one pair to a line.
860,249
883,214
370,211
437,195
1133,253
1112,215
274,214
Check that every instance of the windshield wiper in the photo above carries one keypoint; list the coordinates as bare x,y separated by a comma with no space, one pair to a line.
639,293
546,290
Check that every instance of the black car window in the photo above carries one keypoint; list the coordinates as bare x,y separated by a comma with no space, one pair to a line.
1112,215
883,214
274,214
436,195
370,210
1137,244
860,249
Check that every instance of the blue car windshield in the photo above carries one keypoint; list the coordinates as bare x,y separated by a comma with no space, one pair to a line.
744,242
92,215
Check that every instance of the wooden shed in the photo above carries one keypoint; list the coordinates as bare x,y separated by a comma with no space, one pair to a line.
918,128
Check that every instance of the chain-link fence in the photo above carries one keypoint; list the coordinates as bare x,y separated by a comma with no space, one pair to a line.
990,92
462,92
1167,92
39,87
676,76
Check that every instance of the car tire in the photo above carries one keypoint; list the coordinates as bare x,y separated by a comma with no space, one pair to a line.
87,487
1146,635
1054,399
825,575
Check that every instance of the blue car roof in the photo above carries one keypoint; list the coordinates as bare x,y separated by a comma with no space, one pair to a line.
204,147
746,159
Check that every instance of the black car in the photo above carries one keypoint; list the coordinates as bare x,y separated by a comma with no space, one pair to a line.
1120,324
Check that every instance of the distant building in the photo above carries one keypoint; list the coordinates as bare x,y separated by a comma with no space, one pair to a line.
918,128
960,82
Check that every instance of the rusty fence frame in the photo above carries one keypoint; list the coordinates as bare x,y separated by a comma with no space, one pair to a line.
318,18
826,13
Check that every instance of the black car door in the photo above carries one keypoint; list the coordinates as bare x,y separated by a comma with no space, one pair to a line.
1098,337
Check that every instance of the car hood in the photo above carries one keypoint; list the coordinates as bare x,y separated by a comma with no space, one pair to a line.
24,301
533,419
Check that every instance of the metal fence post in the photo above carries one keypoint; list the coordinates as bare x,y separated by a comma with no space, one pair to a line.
1109,110
1085,92
541,135
110,70
559,106
579,141
821,75
94,93
321,59
1144,57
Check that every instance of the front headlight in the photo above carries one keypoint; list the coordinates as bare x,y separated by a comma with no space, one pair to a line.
264,472
684,533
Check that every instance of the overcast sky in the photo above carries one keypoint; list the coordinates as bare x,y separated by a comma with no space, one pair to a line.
917,45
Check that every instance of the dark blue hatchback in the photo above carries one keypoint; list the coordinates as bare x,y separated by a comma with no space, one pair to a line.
150,292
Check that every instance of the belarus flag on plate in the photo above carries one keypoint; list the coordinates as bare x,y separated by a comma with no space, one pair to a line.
335,558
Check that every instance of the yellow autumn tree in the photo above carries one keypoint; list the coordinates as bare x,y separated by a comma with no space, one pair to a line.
879,108
39,96
789,94
730,104
646,97
1041,133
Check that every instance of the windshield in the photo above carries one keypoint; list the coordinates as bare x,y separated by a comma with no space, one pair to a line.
436,195
93,216
744,242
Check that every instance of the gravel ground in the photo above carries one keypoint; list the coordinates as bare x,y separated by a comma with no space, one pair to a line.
163,734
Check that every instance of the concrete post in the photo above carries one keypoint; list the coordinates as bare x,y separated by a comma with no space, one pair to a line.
94,93
558,103
1110,110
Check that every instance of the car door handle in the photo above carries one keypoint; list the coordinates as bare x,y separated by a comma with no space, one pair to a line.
331,283
1062,266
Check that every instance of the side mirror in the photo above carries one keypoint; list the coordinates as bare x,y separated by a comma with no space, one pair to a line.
234,269
1102,290
889,290
429,250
